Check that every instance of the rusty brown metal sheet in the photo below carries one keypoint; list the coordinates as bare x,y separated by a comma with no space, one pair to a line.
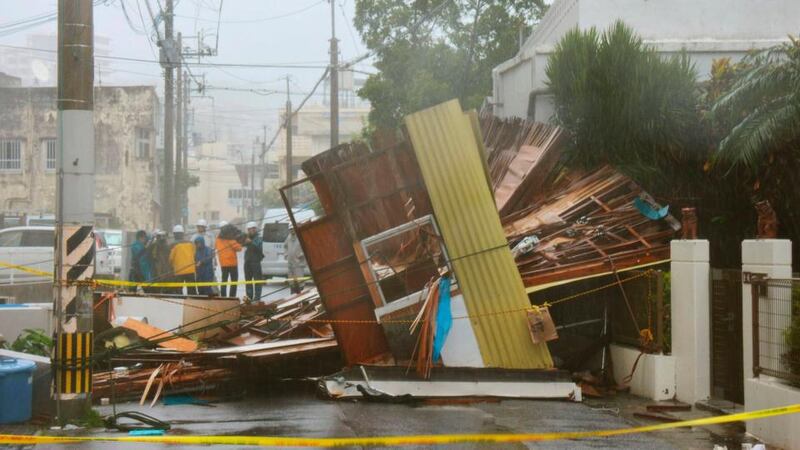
362,193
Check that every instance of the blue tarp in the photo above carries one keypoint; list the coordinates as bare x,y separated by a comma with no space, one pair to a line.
444,318
648,211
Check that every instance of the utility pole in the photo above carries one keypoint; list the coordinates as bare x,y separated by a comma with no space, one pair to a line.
178,194
75,244
168,58
184,194
288,141
252,212
334,70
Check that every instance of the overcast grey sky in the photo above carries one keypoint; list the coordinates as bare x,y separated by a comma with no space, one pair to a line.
250,32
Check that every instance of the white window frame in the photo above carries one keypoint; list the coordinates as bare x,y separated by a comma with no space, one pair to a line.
5,162
141,140
46,144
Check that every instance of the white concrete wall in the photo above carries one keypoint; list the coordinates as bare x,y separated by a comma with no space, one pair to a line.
766,392
15,319
654,377
707,30
693,19
691,336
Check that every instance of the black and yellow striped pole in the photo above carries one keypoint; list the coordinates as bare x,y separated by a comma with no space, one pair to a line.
75,244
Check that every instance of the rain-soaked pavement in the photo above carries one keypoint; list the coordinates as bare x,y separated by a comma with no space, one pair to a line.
298,412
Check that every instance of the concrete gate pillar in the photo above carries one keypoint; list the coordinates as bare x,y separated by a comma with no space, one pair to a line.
691,323
772,257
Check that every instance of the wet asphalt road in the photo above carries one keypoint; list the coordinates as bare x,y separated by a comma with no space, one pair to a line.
302,414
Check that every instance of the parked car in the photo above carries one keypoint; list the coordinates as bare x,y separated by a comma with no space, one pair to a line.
275,229
30,246
33,246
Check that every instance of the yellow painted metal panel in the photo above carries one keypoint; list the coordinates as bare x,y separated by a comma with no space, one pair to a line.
449,157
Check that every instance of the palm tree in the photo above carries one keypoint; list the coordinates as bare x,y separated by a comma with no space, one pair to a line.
625,104
762,107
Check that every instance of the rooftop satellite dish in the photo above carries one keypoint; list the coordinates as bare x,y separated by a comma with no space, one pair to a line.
40,71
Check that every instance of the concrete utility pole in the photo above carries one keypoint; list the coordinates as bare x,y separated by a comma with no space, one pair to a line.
75,245
334,79
179,137
288,141
184,194
252,212
168,59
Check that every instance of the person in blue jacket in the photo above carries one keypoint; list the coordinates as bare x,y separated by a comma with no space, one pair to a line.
141,265
204,259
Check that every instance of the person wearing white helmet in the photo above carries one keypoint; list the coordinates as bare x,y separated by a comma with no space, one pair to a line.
227,246
181,258
253,254
202,230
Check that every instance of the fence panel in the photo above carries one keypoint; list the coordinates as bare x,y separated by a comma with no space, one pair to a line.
776,329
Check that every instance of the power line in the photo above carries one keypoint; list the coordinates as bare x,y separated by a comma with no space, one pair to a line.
263,19
194,64
299,107
128,19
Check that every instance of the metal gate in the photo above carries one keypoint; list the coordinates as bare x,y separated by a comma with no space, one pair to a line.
727,372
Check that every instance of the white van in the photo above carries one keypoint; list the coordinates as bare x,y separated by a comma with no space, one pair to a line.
275,229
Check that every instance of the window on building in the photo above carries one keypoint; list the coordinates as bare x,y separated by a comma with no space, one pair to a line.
10,155
214,215
239,197
143,143
49,150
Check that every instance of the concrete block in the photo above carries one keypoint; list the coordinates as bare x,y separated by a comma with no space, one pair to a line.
654,377
770,252
14,319
767,392
689,250
691,347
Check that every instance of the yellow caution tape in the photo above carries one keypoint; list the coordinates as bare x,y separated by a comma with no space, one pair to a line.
124,283
176,284
387,441
26,269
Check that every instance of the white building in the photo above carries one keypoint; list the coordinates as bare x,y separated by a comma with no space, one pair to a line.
705,29
224,191
37,64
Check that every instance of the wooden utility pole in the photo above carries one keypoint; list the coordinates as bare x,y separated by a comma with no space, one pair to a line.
179,138
288,141
168,60
75,244
334,71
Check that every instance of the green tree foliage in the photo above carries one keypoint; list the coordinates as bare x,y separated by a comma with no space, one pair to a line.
761,108
624,104
428,51
33,342
755,118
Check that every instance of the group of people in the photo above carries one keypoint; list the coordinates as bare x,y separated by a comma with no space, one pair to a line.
156,259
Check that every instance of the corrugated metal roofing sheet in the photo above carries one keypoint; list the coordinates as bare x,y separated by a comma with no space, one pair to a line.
449,157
